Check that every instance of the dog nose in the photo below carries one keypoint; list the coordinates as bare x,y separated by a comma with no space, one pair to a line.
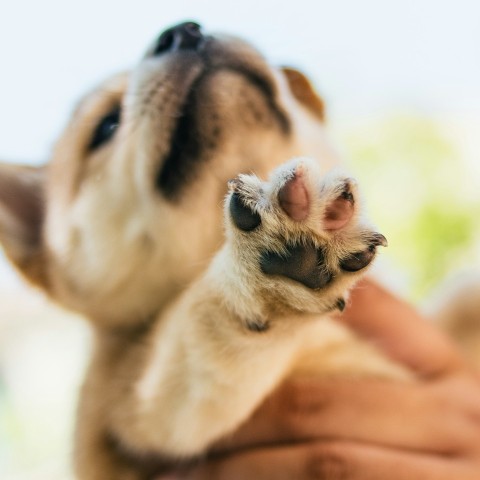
184,36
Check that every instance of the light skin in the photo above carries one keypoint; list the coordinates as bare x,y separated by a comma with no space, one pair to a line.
365,429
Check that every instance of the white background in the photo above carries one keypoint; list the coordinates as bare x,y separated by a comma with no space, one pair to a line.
367,57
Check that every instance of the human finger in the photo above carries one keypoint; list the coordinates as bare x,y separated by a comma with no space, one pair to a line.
400,331
335,461
436,417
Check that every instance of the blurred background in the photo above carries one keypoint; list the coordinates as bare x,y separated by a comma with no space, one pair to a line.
402,85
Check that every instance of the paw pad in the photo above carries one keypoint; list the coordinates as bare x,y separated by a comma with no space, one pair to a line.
293,198
304,264
242,215
340,211
358,260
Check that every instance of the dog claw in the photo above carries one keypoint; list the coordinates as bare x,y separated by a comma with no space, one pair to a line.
340,304
359,260
378,240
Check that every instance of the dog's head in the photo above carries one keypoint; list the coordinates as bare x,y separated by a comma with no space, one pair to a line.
128,210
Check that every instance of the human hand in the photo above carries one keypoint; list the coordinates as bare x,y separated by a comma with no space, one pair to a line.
365,429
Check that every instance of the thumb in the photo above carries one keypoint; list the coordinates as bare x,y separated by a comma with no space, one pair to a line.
400,331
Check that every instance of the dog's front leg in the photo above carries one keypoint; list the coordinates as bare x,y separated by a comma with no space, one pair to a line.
198,374
206,370
294,246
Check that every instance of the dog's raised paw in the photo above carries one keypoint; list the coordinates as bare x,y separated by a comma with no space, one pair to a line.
301,227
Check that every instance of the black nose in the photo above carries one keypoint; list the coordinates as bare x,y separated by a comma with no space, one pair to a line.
184,36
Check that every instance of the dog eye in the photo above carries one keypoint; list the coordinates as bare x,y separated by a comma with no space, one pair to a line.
105,129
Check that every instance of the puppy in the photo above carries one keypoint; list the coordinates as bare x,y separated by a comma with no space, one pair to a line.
124,225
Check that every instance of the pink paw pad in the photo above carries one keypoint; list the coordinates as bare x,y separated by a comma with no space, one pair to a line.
340,211
293,197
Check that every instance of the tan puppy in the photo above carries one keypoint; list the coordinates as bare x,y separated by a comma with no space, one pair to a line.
122,225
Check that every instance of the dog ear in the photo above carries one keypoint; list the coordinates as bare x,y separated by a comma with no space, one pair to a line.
22,212
304,92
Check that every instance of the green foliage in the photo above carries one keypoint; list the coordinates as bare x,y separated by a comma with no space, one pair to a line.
419,193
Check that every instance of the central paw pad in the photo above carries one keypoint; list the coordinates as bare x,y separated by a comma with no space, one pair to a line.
304,264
